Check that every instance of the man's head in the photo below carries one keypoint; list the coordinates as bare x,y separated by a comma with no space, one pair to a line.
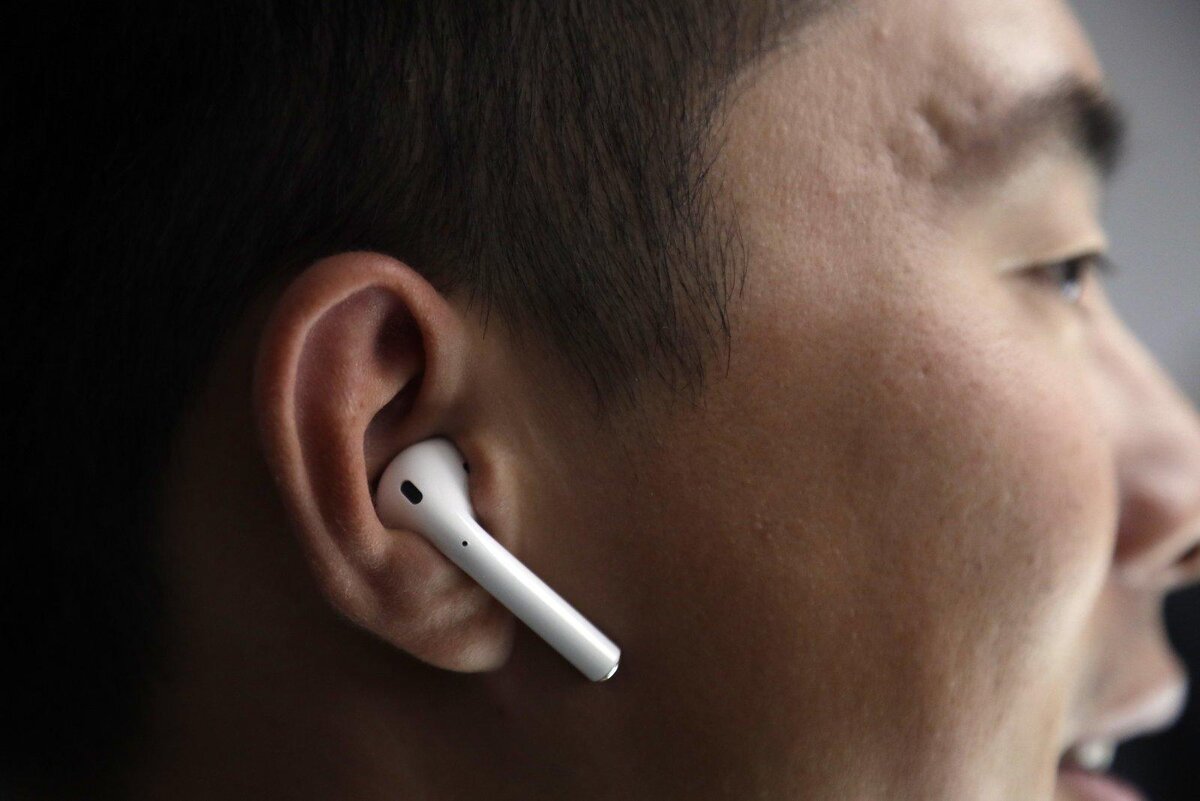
544,161
755,326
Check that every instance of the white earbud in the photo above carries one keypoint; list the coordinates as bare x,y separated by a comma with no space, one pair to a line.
425,489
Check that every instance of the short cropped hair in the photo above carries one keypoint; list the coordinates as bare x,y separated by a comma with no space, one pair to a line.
550,157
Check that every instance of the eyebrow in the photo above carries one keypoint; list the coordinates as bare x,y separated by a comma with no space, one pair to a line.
1069,110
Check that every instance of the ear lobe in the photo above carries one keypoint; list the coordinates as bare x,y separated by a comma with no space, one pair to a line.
360,358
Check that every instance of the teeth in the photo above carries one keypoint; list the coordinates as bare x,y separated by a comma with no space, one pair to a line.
1095,755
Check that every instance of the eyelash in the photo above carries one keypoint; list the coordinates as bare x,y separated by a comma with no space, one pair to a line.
1069,275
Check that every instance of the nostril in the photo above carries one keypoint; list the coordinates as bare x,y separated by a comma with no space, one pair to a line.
1186,569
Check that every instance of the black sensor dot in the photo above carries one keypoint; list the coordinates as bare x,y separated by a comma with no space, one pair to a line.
411,492
464,543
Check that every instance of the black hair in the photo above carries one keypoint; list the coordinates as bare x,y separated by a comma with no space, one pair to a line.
171,159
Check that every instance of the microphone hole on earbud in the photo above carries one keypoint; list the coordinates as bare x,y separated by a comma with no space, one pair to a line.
464,543
411,492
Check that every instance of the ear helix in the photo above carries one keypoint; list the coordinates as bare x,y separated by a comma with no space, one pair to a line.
425,489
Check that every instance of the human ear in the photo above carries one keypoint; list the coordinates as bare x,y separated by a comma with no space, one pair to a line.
360,358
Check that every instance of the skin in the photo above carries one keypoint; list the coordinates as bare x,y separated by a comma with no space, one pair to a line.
910,544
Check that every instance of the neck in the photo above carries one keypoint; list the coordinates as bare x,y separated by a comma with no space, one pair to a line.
267,695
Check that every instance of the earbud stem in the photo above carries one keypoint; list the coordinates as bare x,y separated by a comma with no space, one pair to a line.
528,597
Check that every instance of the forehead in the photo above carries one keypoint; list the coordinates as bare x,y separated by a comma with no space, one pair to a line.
898,86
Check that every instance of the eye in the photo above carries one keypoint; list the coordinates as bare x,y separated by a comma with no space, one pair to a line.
1069,275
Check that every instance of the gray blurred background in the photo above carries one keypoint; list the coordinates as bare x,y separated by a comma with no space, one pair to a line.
1151,51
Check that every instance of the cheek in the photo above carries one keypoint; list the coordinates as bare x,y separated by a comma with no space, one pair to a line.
888,518
989,510
975,458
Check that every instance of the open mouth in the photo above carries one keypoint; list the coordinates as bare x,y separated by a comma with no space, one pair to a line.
1083,774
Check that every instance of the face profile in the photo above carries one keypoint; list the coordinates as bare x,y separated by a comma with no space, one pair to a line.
453,356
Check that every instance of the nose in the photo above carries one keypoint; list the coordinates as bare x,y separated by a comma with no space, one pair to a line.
1157,434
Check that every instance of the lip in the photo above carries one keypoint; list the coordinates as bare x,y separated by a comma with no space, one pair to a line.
1081,785
1154,711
